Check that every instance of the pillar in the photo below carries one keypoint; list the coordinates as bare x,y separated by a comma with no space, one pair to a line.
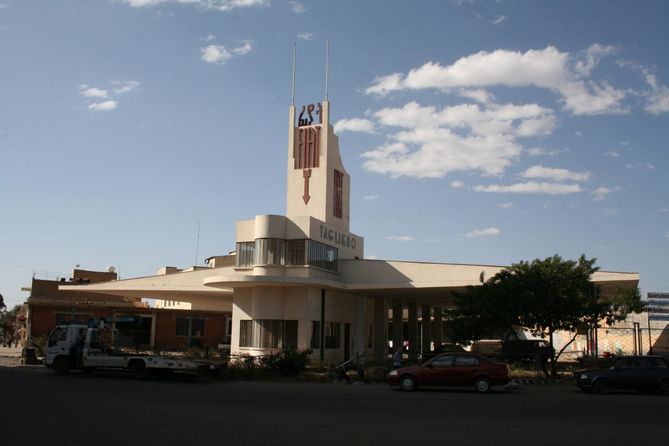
438,332
359,331
427,328
380,333
412,335
398,321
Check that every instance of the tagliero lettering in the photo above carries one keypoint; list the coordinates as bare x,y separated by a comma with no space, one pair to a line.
337,237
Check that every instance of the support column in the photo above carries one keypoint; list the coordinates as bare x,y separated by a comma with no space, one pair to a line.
398,321
438,334
426,325
322,334
359,332
412,335
380,330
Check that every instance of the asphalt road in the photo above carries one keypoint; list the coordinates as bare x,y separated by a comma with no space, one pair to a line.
40,408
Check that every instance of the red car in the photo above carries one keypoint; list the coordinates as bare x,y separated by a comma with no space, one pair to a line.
452,369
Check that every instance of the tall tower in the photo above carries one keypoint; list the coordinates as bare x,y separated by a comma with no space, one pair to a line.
317,183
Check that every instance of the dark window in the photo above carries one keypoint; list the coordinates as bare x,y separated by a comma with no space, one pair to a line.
268,333
338,193
332,334
322,255
315,334
269,251
296,252
443,361
196,326
466,361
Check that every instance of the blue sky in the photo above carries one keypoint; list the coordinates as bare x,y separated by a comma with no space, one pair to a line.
474,131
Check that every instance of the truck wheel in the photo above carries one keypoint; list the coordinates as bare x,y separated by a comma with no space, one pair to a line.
61,365
138,370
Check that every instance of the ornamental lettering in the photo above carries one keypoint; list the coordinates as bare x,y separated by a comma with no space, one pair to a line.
337,238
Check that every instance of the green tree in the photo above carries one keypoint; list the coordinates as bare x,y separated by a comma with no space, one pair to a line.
2,303
542,296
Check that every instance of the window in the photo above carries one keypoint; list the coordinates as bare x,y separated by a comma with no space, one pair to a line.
315,334
296,252
443,361
322,255
267,333
332,334
466,361
58,334
338,193
269,251
245,254
196,326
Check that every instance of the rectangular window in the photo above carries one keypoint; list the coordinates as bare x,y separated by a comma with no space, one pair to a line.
315,334
338,193
245,254
196,326
322,255
296,252
267,333
269,251
332,334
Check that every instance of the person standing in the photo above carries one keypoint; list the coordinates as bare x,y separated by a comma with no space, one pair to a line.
397,358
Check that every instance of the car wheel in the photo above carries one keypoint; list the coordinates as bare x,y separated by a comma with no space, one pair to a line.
663,387
61,365
408,382
482,385
601,387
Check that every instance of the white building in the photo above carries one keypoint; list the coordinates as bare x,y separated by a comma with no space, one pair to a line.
302,280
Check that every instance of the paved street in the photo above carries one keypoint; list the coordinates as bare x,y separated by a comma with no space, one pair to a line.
40,407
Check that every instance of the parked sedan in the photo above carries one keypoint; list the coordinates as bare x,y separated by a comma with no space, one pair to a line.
626,372
452,369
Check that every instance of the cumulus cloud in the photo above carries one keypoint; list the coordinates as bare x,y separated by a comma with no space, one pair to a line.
547,68
354,125
218,5
457,184
297,7
219,54
640,166
401,238
432,142
531,187
476,94
93,92
487,232
103,106
555,174
102,99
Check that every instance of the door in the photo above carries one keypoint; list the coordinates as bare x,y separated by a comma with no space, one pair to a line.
465,369
438,371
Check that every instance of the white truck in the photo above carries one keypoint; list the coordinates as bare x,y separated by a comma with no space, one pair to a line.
77,346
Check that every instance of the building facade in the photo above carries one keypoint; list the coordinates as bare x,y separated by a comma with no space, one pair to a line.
301,279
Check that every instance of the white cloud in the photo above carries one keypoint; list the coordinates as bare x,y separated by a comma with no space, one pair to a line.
587,60
457,184
370,197
508,205
354,125
103,106
663,210
209,38
219,54
433,142
93,92
488,232
219,5
612,154
555,174
122,87
657,99
305,36
640,166
401,238
601,192
531,187
499,20
547,68
477,94
297,7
